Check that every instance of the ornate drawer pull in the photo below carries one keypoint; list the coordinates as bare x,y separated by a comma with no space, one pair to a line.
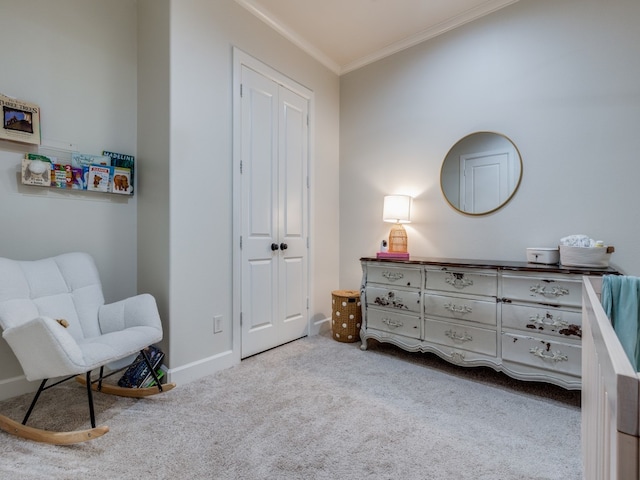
393,276
554,292
392,323
554,356
547,320
457,280
452,308
453,335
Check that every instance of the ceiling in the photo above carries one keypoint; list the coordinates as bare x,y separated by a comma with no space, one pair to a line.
347,34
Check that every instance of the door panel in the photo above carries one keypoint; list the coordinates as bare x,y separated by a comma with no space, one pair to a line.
294,294
293,174
259,208
261,292
274,211
293,200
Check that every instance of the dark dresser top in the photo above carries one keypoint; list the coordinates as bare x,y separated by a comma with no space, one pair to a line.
499,264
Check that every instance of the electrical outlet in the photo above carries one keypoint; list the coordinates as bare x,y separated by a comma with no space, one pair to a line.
217,323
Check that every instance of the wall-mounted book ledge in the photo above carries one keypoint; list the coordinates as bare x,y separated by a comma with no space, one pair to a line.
107,173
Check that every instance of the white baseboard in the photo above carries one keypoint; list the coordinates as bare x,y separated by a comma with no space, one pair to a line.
318,327
207,366
14,386
201,368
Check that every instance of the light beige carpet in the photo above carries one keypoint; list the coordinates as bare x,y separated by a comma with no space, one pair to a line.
314,409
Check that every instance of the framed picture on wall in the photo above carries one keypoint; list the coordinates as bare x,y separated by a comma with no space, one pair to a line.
20,120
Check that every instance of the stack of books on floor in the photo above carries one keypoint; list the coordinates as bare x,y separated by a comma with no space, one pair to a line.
138,375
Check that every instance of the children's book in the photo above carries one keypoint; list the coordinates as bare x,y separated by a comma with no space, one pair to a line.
36,170
20,120
121,181
124,161
78,160
59,175
99,178
137,375
77,179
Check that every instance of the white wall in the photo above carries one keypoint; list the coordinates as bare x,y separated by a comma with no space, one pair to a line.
81,57
559,78
76,59
198,257
154,125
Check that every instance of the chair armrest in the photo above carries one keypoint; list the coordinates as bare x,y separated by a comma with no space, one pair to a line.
45,349
138,311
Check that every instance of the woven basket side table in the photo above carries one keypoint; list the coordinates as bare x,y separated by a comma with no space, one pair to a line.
346,315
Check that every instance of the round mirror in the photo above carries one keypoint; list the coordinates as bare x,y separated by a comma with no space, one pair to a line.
481,173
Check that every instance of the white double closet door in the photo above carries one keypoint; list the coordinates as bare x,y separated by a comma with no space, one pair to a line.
274,212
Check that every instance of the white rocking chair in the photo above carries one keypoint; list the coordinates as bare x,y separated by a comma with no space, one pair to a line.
54,318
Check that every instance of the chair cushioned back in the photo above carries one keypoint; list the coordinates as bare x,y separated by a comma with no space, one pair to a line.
63,287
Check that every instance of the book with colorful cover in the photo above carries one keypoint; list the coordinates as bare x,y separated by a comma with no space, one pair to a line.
38,156
124,161
78,160
36,172
137,374
20,120
99,178
150,381
121,182
78,181
60,175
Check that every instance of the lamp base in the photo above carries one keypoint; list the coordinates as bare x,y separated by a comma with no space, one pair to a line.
398,239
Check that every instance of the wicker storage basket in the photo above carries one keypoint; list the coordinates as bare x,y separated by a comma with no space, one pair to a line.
346,315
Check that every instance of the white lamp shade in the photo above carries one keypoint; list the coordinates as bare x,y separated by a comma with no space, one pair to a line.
397,209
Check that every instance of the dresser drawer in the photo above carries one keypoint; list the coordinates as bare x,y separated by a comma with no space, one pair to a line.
549,320
396,276
542,353
461,281
394,322
393,298
460,308
550,290
465,337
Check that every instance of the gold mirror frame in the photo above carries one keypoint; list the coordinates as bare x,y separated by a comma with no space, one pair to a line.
483,146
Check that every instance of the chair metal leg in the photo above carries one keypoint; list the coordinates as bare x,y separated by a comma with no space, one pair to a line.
151,369
47,436
90,396
100,379
35,399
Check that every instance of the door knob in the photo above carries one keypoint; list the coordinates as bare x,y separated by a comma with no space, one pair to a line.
283,246
274,246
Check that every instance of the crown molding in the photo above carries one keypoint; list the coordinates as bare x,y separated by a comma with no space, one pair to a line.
468,16
289,34
439,29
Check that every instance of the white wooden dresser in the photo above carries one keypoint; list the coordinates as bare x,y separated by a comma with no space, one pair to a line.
523,319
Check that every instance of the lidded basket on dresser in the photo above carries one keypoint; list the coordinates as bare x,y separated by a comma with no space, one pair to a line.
346,315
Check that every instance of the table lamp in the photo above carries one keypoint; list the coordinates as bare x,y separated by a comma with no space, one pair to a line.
397,210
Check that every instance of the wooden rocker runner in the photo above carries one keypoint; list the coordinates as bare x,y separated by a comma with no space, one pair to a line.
126,391
54,318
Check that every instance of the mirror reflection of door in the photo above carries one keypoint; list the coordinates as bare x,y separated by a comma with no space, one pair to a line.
481,173
484,180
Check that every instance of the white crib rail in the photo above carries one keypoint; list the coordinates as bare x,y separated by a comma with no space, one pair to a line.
610,396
